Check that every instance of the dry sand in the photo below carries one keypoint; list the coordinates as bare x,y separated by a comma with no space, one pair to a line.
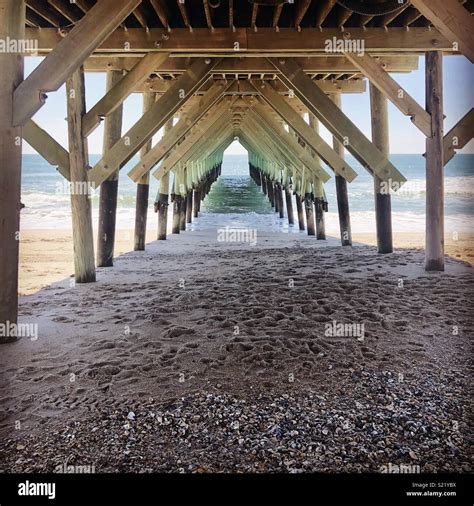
46,256
194,317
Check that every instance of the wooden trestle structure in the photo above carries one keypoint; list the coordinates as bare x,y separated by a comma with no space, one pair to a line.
224,69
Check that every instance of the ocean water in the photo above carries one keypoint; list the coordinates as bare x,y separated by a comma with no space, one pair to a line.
236,200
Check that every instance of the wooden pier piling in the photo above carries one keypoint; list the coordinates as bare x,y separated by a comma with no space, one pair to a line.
434,251
143,187
11,27
109,188
81,211
342,196
383,199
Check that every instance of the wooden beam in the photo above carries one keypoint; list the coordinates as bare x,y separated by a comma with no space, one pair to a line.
277,14
12,26
109,187
338,123
392,90
184,14
81,212
458,136
452,20
300,153
122,89
143,187
254,43
44,12
204,131
160,86
208,14
341,188
253,22
174,134
152,121
65,10
231,14
309,136
301,10
162,202
434,250
162,12
383,199
47,147
68,56
324,8
316,64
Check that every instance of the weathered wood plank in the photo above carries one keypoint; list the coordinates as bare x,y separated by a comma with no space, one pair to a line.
122,89
246,41
452,20
80,200
316,142
338,123
434,250
458,136
47,147
392,90
383,199
68,56
12,25
200,107
152,121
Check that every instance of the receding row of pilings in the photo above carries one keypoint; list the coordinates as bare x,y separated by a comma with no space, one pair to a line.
185,206
310,209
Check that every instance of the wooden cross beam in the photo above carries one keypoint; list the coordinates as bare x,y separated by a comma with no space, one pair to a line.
47,147
68,56
200,107
202,132
144,129
317,63
116,96
203,43
209,145
452,20
310,137
392,90
338,123
458,136
289,141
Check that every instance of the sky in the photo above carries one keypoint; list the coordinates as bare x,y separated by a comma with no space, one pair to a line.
458,76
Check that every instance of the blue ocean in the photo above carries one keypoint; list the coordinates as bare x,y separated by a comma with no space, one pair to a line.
236,198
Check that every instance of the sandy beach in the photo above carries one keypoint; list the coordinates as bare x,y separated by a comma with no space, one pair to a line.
198,355
46,256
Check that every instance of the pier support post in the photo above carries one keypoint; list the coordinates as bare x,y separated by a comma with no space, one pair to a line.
182,213
281,206
189,207
289,206
82,233
434,249
299,210
270,192
341,188
319,207
176,199
143,187
109,188
163,199
309,208
380,138
12,26
197,201
264,183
